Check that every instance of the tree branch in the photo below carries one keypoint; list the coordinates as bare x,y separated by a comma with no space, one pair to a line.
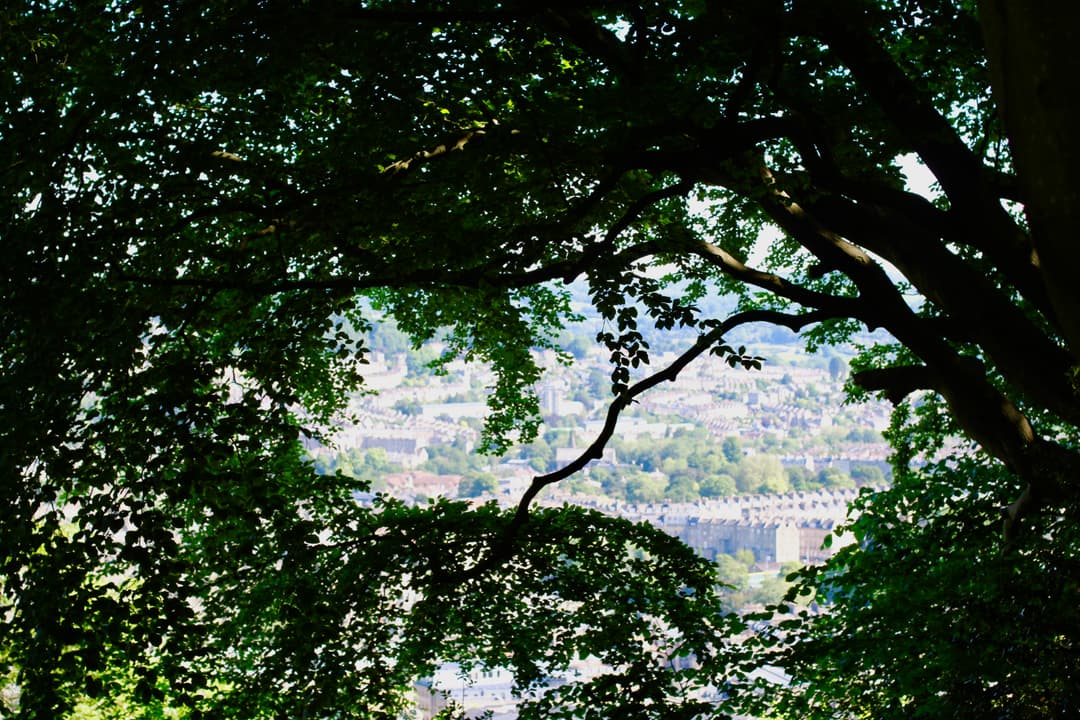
390,276
492,273
503,549
1051,473
981,409
732,266
966,295
841,25
970,187
569,269
897,382
458,142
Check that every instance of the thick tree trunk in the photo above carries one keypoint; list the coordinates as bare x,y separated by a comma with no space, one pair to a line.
1034,52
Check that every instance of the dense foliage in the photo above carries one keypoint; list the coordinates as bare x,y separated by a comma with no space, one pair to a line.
205,200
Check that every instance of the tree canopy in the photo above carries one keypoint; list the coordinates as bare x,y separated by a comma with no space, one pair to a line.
204,202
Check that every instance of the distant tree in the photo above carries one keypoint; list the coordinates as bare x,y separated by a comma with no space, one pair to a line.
732,571
708,461
557,437
579,484
867,474
762,474
770,442
863,435
349,463
682,488
735,575
581,395
409,406
375,462
733,449
452,460
599,384
418,362
774,483
675,464
721,485
837,367
833,438
478,484
801,478
833,477
474,424
540,454
612,483
790,567
645,488
579,347
385,337
365,466
602,474
769,592
647,457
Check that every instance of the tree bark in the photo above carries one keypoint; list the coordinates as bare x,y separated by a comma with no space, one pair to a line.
1034,65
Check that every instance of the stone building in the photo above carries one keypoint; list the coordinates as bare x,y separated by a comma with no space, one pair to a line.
770,541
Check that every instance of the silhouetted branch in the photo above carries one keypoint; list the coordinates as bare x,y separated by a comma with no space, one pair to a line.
897,382
732,266
503,549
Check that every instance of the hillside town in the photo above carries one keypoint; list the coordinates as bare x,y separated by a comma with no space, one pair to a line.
418,433
752,469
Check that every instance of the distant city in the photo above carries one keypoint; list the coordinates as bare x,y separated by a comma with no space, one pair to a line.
721,458
752,469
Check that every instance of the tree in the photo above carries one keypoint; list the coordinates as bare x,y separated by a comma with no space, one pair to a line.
980,622
837,367
419,362
732,448
708,460
579,347
834,477
409,406
1031,68
645,488
732,572
540,455
801,478
867,474
683,488
478,484
384,337
717,485
762,474
454,459
746,557
863,435
207,204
